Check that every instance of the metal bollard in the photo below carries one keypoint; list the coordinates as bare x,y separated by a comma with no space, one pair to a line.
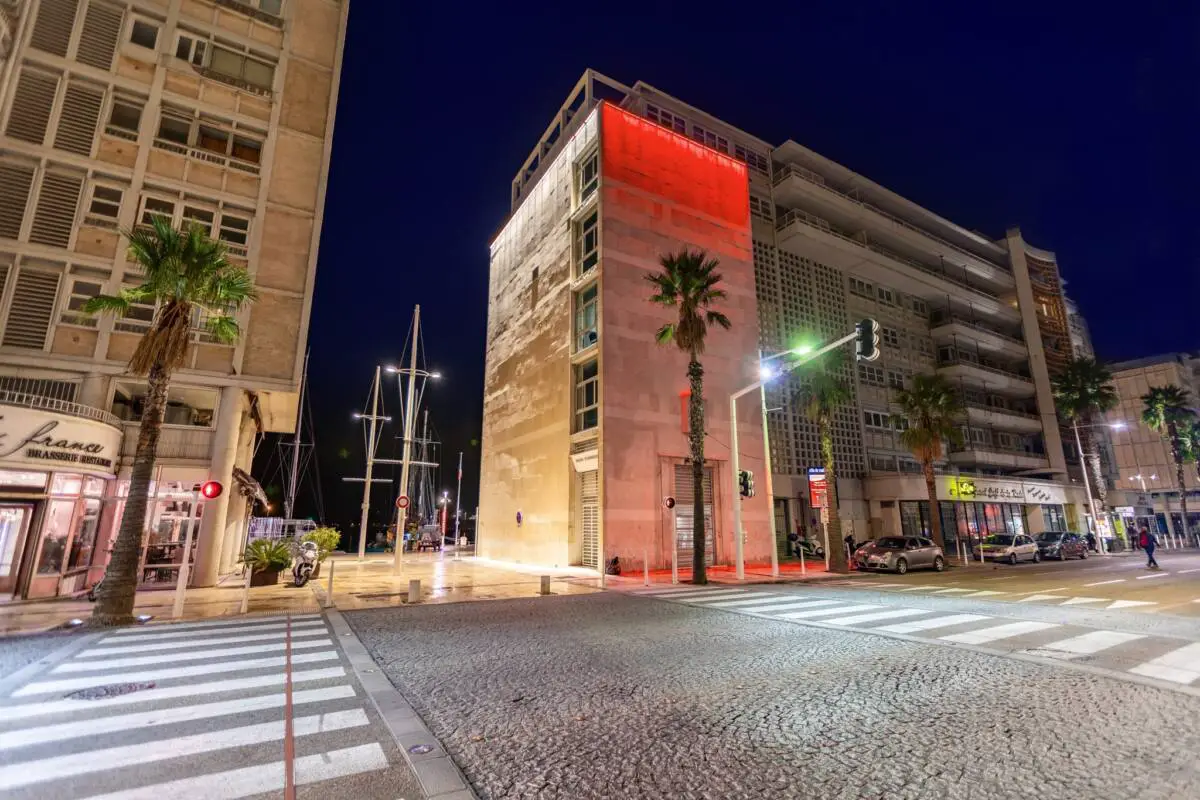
675,564
245,607
645,567
545,587
329,587
414,590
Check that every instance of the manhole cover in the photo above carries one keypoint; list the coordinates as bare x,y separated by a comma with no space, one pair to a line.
420,749
112,690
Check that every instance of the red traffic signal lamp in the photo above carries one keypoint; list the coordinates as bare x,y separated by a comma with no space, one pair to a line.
211,490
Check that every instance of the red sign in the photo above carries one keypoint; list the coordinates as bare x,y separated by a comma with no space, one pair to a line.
818,490
211,489
402,501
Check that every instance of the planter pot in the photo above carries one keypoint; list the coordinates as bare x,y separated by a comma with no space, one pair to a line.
264,578
316,573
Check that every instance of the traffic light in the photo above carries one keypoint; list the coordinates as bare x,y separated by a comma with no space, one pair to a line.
746,483
866,344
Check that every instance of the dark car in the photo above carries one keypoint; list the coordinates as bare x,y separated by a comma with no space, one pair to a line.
1062,545
899,554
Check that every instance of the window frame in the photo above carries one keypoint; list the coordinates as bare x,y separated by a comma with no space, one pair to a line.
235,135
889,336
212,418
100,220
586,259
586,188
134,21
75,317
582,306
581,409
132,324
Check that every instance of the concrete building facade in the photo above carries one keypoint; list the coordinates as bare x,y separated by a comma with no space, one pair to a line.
210,112
828,247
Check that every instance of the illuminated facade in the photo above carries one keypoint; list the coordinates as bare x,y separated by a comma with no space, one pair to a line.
210,112
827,247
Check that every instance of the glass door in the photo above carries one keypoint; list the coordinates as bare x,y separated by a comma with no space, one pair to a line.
14,526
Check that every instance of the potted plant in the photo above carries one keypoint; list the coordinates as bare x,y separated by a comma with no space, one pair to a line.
327,540
266,558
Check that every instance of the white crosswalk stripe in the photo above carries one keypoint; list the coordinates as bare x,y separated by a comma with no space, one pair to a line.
891,613
1094,642
168,633
189,628
809,613
1178,666
919,625
787,606
997,632
173,658
712,593
708,600
754,601
104,651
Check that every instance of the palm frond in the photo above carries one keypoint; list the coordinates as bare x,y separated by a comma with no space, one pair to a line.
224,328
665,334
688,281
107,303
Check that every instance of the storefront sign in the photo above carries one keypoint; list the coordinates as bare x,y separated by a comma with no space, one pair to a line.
818,489
986,490
586,462
43,439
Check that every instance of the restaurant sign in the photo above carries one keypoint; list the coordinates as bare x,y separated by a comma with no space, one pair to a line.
45,440
986,490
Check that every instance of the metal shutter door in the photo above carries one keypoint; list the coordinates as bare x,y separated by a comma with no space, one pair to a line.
684,514
589,517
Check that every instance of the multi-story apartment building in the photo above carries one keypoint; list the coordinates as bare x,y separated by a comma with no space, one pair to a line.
216,113
1148,489
827,247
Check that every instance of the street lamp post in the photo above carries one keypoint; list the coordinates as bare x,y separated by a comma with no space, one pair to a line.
1087,484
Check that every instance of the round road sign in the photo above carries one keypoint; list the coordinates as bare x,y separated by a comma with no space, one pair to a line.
402,501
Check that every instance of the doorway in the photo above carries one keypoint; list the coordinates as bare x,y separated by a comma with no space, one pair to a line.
14,528
685,515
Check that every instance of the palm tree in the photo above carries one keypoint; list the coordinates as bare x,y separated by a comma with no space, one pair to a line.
930,409
1167,409
184,274
820,396
1081,392
688,282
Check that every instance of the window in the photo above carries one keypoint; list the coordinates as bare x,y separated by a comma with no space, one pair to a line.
860,287
886,296
666,119
272,7
925,346
191,48
125,117
753,160
876,419
870,375
232,64
889,336
586,334
144,34
84,541
587,243
588,175
104,207
186,405
235,232
81,292
137,319
56,530
247,149
587,395
155,207
919,307
174,128
710,139
761,208
201,217
900,423
212,139
883,464
895,379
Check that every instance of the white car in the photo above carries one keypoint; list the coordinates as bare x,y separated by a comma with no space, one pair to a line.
1010,548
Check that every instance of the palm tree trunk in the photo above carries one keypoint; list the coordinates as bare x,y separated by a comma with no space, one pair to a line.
836,548
114,603
935,511
1099,483
1177,457
696,440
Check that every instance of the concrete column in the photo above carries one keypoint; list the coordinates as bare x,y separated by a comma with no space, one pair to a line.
93,391
236,515
224,452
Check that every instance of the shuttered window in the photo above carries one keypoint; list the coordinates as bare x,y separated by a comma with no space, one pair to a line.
98,40
55,215
685,514
15,180
80,113
31,106
589,518
52,28
32,309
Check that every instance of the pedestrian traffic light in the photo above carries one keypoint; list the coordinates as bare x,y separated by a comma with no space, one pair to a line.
746,483
866,344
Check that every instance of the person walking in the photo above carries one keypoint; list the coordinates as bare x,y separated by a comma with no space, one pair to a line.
849,540
1148,542
1091,541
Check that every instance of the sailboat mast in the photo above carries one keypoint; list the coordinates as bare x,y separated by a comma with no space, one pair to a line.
289,503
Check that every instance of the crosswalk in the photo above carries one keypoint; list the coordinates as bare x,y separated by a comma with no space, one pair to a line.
1043,597
198,710
1170,660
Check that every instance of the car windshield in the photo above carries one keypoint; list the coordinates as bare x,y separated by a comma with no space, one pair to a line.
890,543
1050,536
998,540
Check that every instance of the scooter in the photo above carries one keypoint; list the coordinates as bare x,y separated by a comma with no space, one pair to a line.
306,562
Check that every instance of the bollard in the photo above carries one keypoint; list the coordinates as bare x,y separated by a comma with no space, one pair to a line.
329,590
545,587
245,594
675,564
645,567
414,590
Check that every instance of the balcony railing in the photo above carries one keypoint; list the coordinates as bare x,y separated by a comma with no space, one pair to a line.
998,450
789,170
58,406
200,154
1008,411
957,362
939,319
796,215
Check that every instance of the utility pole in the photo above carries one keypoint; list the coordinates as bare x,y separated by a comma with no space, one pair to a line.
289,502
457,499
366,503
408,434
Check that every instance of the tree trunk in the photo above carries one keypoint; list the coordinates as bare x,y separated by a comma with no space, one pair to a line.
696,440
836,548
1177,457
114,603
935,511
1099,483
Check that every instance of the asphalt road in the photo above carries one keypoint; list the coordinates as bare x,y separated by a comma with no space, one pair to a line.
801,692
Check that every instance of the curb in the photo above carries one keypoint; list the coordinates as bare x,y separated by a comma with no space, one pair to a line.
437,773
15,680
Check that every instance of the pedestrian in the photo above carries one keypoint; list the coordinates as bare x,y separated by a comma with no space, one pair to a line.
849,545
1091,540
1148,543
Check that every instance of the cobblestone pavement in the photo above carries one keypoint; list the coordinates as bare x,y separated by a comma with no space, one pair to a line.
608,696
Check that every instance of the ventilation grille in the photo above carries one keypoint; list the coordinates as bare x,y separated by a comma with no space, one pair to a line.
55,215
31,106
98,40
15,181
80,112
52,30
31,310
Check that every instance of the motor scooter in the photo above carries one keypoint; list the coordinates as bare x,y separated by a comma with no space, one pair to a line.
306,562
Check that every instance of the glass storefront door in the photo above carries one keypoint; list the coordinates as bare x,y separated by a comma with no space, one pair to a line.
14,527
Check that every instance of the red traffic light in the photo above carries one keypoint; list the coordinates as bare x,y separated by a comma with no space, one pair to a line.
211,489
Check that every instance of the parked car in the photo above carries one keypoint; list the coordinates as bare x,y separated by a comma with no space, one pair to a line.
900,554
1010,548
1062,545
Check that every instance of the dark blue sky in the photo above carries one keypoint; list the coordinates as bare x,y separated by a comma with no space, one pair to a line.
1079,127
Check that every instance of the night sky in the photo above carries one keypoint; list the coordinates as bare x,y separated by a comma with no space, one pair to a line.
1081,130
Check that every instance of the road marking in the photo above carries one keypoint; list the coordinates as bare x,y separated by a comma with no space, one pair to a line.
1033,598
687,593
27,710
1075,601
1188,571
882,585
790,605
998,632
723,595
1152,575
1105,583
260,779
1092,642
142,661
665,590
218,623
823,612
165,632
761,598
192,670
916,588
1178,666
893,613
952,591
984,593
1049,591
932,624
143,720
1129,604
101,650
55,768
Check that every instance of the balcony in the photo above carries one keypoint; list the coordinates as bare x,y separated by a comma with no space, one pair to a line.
994,379
1003,419
797,186
176,443
65,407
999,458
947,328
807,235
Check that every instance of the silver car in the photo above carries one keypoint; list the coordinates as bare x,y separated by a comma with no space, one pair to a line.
1010,548
900,554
